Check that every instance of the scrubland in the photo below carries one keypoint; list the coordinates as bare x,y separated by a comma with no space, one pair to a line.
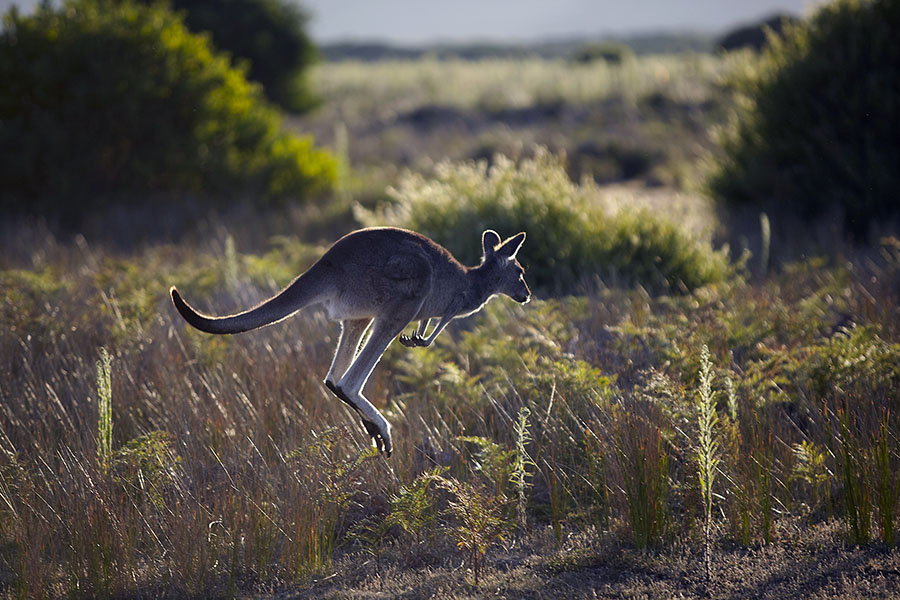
546,450
614,122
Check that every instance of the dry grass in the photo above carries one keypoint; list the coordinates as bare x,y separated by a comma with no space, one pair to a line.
232,471
353,89
646,120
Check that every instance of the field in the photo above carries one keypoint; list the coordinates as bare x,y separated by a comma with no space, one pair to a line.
613,122
726,428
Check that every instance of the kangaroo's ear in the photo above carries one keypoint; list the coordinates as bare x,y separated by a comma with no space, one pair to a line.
510,247
489,241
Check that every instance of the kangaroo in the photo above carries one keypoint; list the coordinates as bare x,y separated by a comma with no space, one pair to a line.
382,279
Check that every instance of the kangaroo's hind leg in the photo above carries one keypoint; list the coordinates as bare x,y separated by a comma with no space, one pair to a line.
384,330
352,331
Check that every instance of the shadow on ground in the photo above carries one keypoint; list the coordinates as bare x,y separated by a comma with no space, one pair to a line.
822,566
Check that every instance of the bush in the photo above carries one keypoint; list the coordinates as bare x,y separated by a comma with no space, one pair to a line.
613,53
755,36
111,101
821,133
269,34
571,238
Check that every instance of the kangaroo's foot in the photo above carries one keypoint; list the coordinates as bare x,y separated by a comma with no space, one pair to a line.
381,442
381,438
412,341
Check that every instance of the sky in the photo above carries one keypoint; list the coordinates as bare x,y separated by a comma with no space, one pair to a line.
418,21
409,22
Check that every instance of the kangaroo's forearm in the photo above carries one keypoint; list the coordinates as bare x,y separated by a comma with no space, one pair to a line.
452,312
423,325
419,340
445,320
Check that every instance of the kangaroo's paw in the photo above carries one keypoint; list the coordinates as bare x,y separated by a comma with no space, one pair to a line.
412,341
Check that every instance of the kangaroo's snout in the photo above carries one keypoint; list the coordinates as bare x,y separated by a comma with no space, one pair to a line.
524,295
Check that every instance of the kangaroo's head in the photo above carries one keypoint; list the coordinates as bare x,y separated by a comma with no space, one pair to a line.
505,273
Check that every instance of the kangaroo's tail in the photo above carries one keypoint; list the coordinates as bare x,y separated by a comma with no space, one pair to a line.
303,291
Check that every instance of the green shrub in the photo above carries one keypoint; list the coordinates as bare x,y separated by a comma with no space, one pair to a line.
269,34
613,53
820,134
755,35
856,360
571,238
116,101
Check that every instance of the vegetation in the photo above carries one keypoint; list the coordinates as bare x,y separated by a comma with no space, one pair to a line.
610,52
116,103
756,35
644,121
580,238
820,134
660,418
270,35
707,450
661,42
506,83
230,468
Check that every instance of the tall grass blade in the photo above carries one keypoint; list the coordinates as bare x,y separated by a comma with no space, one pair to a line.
707,450
520,464
104,409
886,492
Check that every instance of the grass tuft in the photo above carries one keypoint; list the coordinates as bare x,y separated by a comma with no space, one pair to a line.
104,409
707,451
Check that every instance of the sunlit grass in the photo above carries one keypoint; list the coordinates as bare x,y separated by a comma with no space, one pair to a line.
231,468
355,88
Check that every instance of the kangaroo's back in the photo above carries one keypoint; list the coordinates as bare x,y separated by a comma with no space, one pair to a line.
377,245
361,275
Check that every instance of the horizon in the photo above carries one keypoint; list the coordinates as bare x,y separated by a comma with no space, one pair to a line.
512,42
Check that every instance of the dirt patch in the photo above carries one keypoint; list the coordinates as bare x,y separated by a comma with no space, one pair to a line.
821,566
